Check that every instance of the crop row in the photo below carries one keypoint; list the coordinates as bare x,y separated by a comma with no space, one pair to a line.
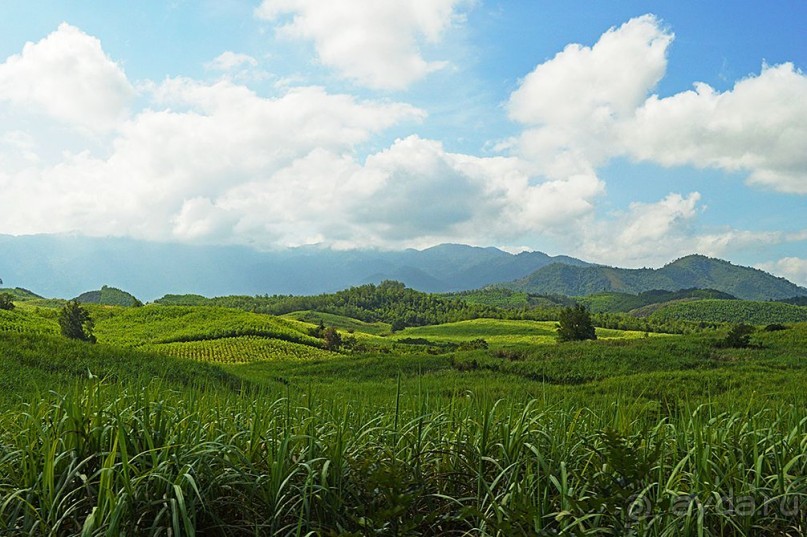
239,350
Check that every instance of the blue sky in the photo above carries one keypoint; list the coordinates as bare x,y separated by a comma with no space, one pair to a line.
626,133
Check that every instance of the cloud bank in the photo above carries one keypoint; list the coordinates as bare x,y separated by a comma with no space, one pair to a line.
215,161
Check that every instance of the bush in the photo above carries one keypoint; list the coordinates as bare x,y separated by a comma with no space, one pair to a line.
333,340
739,336
6,301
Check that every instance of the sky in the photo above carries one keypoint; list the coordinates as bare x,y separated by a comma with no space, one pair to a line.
625,133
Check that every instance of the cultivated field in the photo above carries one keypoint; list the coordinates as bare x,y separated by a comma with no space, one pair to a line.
215,421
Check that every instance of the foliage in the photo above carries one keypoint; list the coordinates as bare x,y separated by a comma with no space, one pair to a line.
332,341
76,323
739,336
389,302
645,436
155,324
575,324
6,301
238,350
624,302
732,311
109,296
691,271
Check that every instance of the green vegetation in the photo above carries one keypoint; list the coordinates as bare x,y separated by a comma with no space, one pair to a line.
75,322
390,302
739,336
6,301
109,296
575,324
731,311
222,421
626,302
692,271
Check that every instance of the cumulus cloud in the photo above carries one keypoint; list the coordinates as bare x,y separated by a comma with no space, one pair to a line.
67,76
589,104
758,127
651,234
791,268
170,169
571,103
647,233
218,162
376,44
229,60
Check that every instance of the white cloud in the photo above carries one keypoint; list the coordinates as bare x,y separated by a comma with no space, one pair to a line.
759,127
67,76
792,268
376,44
648,233
170,171
229,60
571,103
589,104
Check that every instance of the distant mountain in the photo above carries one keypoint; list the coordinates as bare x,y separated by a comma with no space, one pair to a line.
109,296
692,271
66,265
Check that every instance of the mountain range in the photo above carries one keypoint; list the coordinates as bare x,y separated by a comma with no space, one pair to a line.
693,271
64,266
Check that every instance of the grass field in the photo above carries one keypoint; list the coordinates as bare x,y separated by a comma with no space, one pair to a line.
502,332
209,421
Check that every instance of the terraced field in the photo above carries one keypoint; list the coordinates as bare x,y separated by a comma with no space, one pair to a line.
239,350
133,327
25,320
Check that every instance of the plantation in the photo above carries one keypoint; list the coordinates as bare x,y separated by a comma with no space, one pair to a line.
206,420
732,311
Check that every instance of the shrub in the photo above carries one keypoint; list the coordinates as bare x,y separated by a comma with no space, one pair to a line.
6,301
739,336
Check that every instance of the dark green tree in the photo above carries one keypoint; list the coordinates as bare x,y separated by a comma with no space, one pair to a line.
6,301
575,324
739,337
76,323
333,341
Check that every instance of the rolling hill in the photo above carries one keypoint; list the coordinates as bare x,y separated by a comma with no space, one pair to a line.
109,296
691,271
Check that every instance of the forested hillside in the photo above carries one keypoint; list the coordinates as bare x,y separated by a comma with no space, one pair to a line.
390,302
109,296
694,271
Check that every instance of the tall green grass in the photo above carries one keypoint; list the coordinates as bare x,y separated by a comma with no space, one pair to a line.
101,460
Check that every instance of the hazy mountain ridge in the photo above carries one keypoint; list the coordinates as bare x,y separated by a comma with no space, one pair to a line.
67,265
687,272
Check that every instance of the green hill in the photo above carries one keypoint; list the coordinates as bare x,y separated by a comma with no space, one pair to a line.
694,271
731,311
20,294
614,302
109,296
389,302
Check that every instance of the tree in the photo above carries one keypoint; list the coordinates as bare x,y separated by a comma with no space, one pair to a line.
332,339
76,323
575,324
739,336
6,301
